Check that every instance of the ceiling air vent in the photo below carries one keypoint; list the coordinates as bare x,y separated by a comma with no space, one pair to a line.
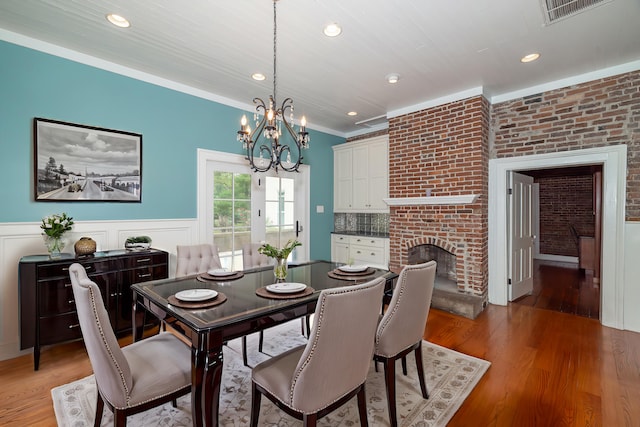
557,10
373,121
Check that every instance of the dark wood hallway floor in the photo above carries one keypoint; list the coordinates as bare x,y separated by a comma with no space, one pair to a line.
563,287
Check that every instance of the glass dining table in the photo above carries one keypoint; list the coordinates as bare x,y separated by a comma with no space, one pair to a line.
247,308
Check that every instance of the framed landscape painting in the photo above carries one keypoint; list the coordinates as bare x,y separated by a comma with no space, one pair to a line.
85,163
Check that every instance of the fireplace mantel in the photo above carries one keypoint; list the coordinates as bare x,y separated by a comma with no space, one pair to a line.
432,200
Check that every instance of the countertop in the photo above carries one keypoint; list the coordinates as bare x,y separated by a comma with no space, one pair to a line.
362,233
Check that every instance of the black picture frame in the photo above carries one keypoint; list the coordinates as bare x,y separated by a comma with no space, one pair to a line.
79,163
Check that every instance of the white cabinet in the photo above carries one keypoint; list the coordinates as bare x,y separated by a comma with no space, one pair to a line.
361,176
372,251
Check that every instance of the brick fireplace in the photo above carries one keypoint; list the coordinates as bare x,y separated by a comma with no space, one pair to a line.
442,151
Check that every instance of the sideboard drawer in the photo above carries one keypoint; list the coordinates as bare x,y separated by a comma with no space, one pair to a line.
55,297
144,260
59,328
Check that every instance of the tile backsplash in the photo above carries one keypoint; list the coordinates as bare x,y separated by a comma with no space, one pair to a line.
376,223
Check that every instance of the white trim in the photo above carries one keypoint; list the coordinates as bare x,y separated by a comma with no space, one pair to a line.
432,200
569,81
614,159
453,97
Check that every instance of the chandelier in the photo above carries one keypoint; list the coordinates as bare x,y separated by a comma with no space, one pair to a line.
272,125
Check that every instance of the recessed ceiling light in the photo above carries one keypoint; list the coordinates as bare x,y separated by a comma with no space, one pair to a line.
392,78
258,76
332,30
530,57
352,113
118,21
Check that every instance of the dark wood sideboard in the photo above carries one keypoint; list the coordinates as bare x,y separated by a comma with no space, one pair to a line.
47,307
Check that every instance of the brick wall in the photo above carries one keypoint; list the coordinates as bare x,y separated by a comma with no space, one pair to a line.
594,114
445,150
565,201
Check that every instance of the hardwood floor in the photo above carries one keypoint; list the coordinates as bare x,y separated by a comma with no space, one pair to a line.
548,369
563,287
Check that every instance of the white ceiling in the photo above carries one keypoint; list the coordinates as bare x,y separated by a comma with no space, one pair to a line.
438,48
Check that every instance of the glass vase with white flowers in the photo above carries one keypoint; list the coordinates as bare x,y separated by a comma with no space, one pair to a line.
54,227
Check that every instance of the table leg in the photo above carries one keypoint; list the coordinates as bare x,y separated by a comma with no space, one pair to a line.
206,378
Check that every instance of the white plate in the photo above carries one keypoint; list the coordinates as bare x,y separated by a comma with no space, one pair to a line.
196,294
221,272
353,268
286,287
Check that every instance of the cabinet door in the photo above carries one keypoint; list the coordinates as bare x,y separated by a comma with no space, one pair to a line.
378,179
339,248
342,180
361,178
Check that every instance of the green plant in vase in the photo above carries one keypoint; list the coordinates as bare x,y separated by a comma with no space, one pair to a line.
280,256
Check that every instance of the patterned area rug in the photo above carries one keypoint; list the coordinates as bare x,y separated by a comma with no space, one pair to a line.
450,377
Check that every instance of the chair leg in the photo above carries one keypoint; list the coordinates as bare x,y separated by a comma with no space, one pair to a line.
174,403
308,324
255,404
260,341
362,407
309,420
420,368
390,382
99,409
244,350
404,365
119,418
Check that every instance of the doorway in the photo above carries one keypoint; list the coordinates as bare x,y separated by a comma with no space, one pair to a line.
237,206
566,224
613,159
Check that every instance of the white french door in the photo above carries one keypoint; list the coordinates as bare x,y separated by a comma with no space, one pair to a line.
238,206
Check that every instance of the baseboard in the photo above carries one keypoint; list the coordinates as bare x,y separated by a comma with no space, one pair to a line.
557,258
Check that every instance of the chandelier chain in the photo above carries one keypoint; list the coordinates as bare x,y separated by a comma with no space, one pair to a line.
275,32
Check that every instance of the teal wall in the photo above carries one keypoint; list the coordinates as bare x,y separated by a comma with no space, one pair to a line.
173,126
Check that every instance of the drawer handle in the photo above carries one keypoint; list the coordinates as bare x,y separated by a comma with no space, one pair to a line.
71,301
140,276
77,325
358,252
373,254
65,268
143,260
67,285
113,295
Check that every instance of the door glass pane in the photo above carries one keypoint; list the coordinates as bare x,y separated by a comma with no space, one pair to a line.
231,216
279,210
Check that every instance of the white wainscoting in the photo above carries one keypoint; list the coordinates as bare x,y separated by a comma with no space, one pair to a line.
20,239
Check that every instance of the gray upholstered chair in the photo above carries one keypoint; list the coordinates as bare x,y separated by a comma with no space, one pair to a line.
402,327
134,378
251,258
310,381
195,259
